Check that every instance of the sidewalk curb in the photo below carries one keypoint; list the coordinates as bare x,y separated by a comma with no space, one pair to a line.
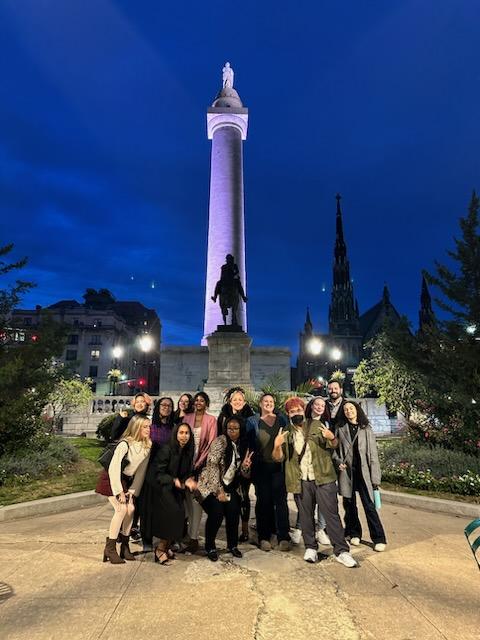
437,505
47,506
72,501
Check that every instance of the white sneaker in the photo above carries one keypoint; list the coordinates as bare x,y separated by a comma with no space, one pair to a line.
296,536
346,559
355,541
380,546
310,556
322,537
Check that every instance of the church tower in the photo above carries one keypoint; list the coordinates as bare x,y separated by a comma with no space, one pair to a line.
343,313
426,317
227,123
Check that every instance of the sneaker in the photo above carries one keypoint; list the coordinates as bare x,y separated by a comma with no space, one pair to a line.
296,536
380,546
311,556
322,537
346,559
355,541
236,553
265,545
284,545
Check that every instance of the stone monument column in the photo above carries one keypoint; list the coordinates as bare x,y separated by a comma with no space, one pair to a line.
227,122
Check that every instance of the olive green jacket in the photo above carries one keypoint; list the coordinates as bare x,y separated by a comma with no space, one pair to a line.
323,468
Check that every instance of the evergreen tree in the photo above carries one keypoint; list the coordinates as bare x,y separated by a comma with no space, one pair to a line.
27,375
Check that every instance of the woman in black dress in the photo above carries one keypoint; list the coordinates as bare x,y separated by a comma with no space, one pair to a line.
168,477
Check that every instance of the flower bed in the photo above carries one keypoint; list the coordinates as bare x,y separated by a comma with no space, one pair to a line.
435,469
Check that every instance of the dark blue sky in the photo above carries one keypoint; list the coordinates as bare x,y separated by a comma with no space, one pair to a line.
104,159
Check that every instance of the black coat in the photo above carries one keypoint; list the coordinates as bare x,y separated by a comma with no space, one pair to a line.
227,412
162,511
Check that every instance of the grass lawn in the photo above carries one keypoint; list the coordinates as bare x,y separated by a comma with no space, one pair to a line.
82,477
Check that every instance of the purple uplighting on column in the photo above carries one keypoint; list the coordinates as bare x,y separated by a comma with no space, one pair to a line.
227,122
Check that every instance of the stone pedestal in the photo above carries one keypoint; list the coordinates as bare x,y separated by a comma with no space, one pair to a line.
228,364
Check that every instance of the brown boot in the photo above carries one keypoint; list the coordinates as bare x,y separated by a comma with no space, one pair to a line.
110,552
125,549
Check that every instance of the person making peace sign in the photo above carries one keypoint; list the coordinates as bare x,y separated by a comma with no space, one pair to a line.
219,485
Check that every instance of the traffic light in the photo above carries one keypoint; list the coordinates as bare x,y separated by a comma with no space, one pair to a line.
34,337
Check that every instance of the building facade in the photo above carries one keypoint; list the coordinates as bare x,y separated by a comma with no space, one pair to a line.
104,335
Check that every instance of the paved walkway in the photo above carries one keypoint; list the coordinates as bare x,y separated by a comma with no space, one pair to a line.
54,586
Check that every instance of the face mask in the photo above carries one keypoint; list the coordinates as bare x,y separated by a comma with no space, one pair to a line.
297,420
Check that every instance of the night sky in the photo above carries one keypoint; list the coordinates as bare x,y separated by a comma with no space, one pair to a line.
104,159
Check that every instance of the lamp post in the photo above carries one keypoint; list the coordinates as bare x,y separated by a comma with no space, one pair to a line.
146,345
334,355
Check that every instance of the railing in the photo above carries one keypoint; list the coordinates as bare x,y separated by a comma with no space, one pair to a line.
111,404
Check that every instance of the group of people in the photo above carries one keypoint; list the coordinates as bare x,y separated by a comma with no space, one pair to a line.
165,472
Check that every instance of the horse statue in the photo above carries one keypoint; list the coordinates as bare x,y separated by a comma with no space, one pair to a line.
229,289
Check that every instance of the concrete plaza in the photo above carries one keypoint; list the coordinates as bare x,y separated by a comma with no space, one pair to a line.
53,586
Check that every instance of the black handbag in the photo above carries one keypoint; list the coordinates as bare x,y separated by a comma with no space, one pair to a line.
107,455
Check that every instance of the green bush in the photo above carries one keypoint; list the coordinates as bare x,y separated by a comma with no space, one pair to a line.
441,462
50,455
412,465
104,429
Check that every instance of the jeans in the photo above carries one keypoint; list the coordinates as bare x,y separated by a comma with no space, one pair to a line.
353,528
325,495
216,511
271,509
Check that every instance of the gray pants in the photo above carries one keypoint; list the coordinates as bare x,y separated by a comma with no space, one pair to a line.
325,495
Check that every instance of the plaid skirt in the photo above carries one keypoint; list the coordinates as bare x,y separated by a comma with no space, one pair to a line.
103,483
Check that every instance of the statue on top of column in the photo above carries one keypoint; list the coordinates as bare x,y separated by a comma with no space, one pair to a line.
229,289
227,76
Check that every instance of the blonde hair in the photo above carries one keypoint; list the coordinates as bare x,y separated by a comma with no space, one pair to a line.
132,432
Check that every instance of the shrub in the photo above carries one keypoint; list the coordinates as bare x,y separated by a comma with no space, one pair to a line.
104,429
50,455
412,465
441,462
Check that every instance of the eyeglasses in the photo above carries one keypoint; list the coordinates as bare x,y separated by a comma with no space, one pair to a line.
233,428
166,406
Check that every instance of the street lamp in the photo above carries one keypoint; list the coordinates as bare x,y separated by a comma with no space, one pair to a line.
315,346
336,354
146,344
117,352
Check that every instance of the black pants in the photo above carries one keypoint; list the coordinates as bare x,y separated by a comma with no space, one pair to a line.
216,511
325,495
245,484
271,509
353,528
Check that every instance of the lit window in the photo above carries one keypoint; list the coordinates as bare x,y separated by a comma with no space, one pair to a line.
94,354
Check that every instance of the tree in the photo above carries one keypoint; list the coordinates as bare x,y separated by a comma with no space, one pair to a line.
101,299
460,287
447,355
69,395
27,374
11,296
384,375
